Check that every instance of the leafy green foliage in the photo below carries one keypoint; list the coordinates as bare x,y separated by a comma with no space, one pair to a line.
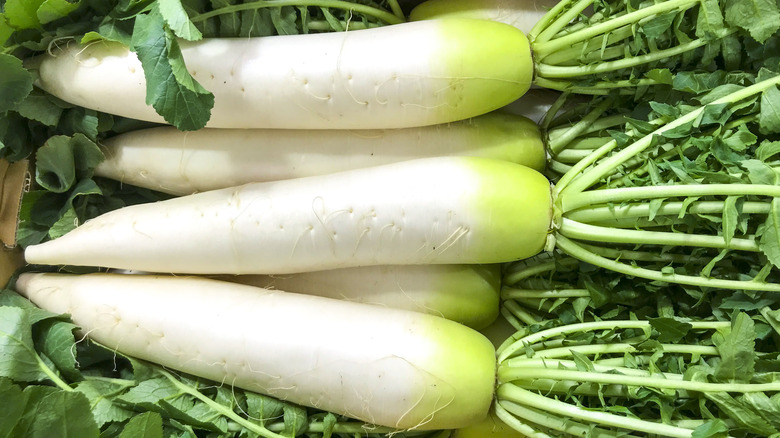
171,90
691,173
595,53
573,316
704,130
15,83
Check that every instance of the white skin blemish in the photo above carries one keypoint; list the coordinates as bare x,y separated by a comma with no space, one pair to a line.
450,241
307,230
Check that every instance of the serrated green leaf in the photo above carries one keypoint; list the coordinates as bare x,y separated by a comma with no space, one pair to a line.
759,172
735,410
262,408
189,410
229,24
670,329
177,20
52,10
730,216
19,360
100,394
767,149
59,345
149,392
642,126
304,13
62,159
328,424
332,21
711,429
772,317
768,408
68,216
5,29
295,420
34,394
740,139
14,402
170,89
30,230
39,107
710,19
661,75
285,20
761,18
78,120
681,131
582,362
50,409
769,117
655,204
256,22
146,425
736,347
35,314
732,52
690,82
769,241
22,14
714,114
706,271
111,29
665,110
719,92
15,82
658,25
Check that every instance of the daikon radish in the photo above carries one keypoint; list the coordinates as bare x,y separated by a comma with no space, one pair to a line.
388,367
522,14
444,210
404,75
171,161
463,293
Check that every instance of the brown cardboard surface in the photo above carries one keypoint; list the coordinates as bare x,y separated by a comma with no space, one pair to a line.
11,259
14,178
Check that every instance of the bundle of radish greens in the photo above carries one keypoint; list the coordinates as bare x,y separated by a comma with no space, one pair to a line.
291,218
653,358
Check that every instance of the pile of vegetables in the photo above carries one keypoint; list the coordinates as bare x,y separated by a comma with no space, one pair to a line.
288,149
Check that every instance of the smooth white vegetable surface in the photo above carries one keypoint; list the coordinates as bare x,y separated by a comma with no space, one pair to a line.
404,75
463,293
522,14
443,210
534,104
385,366
179,163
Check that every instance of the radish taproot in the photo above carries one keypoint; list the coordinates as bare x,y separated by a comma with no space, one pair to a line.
467,294
410,74
442,210
522,14
406,74
168,160
389,367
